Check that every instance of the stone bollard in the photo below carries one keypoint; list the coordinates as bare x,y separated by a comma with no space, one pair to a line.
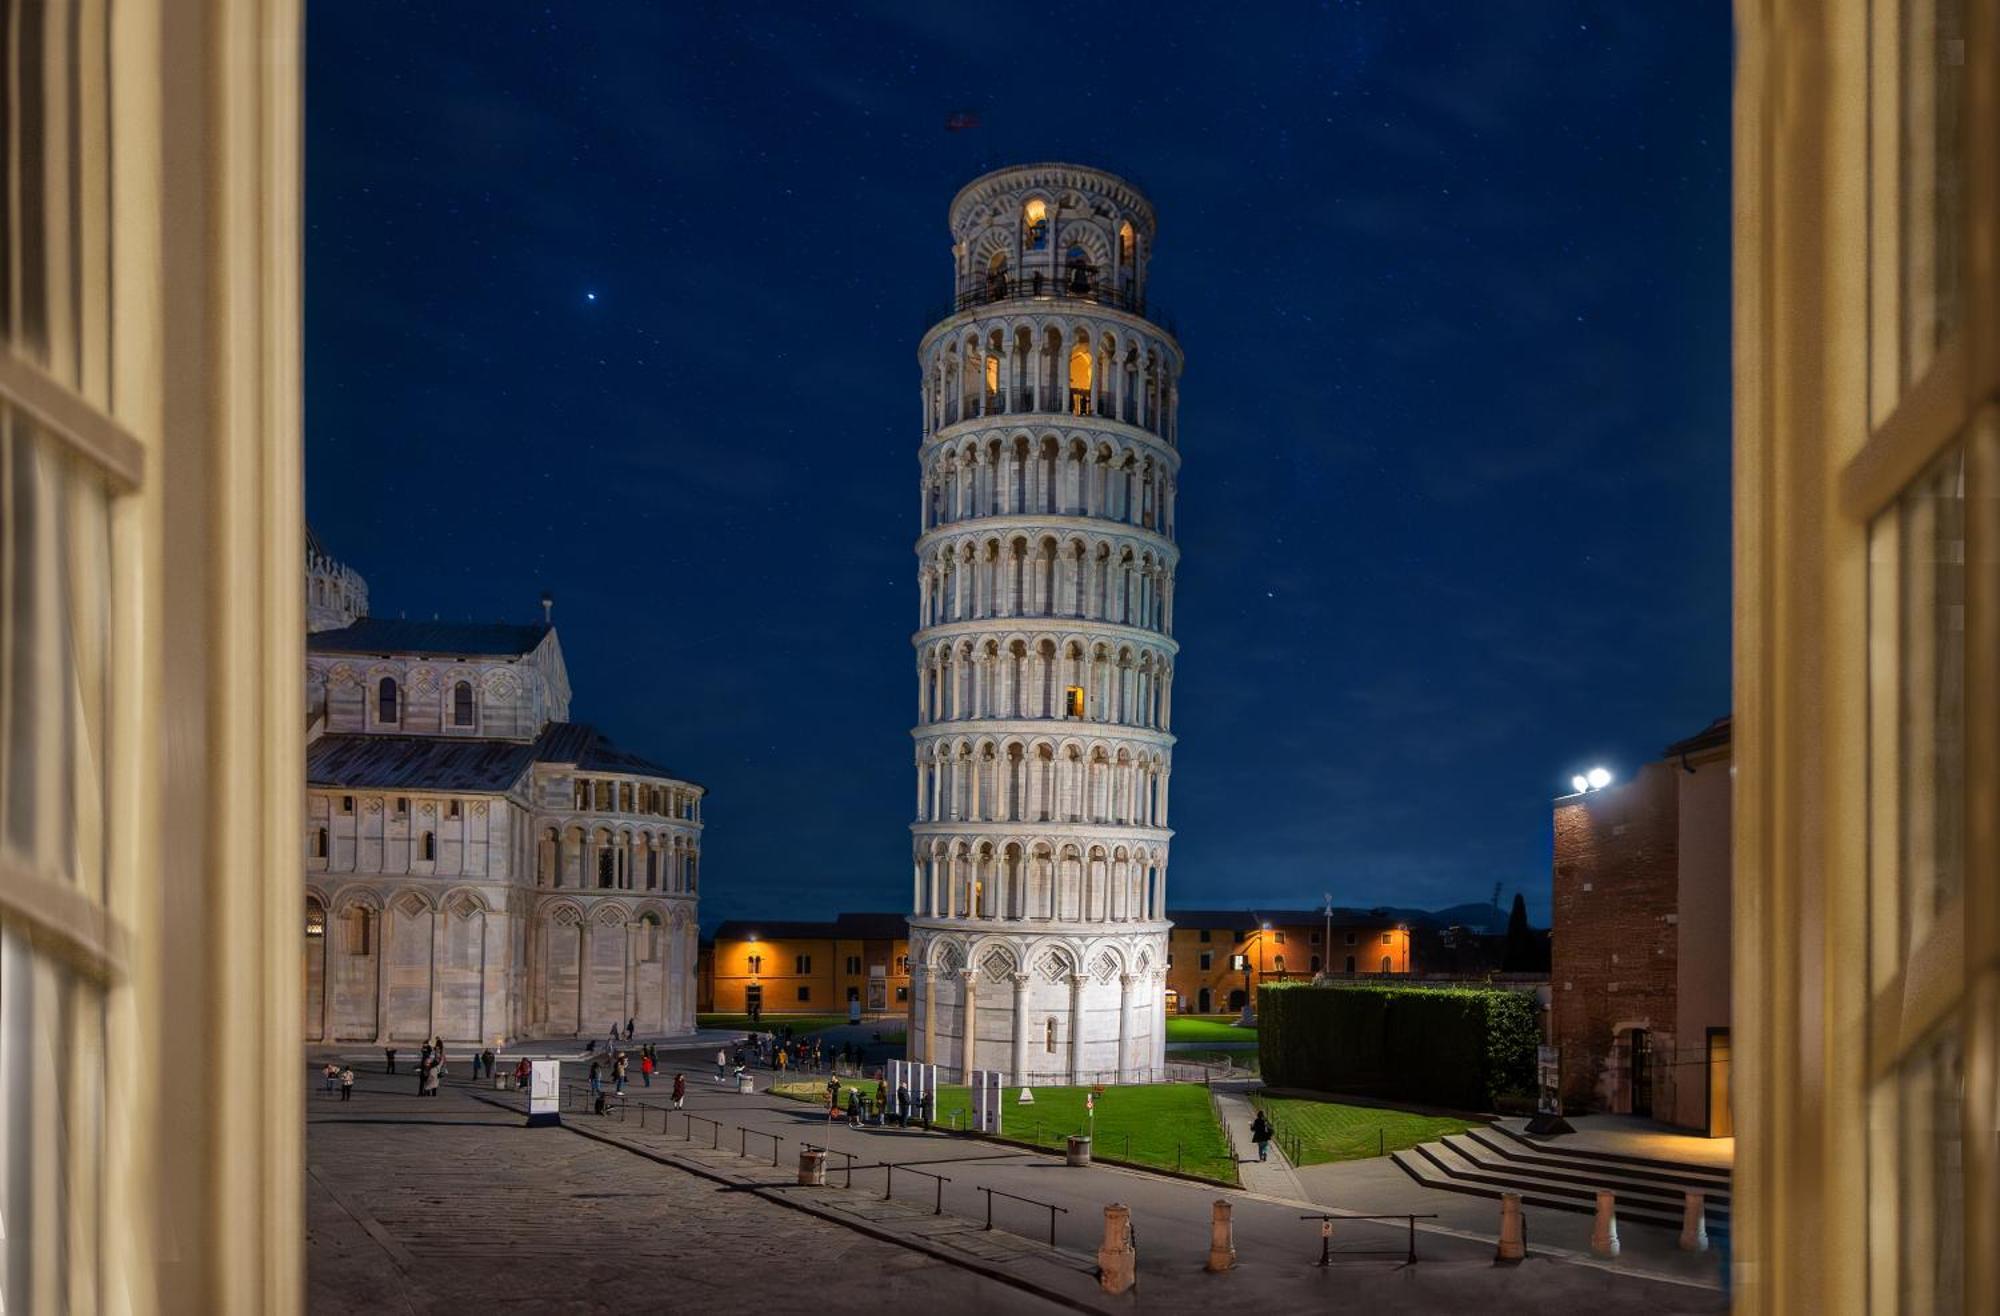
1604,1233
745,1084
1117,1258
812,1167
1221,1239
1694,1224
1513,1238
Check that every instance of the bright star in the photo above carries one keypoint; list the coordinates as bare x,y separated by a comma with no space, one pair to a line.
590,296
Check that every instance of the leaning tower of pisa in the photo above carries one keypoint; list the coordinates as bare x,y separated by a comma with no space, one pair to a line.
1045,657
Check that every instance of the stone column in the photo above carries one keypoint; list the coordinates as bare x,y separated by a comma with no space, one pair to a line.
1019,1058
584,945
382,973
968,1025
1076,984
438,921
1125,1027
930,1012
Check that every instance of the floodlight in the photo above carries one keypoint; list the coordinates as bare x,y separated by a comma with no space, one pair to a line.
1581,784
1600,778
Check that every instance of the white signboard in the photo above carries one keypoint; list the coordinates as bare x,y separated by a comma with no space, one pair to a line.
544,1092
986,1100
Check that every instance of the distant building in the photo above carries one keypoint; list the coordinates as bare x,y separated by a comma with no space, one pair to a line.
1641,967
478,867
785,966
1217,958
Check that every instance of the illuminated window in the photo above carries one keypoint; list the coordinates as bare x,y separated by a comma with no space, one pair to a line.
756,964
385,700
1079,380
1127,242
1035,225
992,376
315,919
1073,701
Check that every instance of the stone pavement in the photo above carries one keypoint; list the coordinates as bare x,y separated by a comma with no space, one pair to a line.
1276,1248
449,1204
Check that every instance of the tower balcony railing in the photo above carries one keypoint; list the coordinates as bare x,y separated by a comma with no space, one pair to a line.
1073,286
1022,400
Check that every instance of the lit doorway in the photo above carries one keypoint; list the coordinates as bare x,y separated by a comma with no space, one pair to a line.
1721,1123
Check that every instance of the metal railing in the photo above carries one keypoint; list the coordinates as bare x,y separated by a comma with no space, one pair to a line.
1050,1207
889,1183
1074,284
1021,401
1327,1251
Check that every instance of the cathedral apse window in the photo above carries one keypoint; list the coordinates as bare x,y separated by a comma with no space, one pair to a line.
347,804
454,810
319,843
402,807
430,846
386,700
461,704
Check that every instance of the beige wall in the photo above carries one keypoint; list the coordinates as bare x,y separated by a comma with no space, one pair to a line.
1703,907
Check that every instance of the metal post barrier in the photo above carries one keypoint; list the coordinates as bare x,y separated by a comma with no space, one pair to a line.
889,1183
1326,1252
1050,1207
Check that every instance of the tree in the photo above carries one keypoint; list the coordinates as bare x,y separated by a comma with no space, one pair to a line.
1522,954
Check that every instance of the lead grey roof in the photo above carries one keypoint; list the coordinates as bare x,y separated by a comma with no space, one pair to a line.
444,763
448,639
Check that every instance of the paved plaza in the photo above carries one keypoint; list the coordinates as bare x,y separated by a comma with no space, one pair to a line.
416,1204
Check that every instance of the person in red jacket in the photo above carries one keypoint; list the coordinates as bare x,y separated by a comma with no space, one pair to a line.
646,1069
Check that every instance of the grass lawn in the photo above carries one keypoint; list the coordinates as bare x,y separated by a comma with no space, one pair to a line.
799,1023
1195,1055
1207,1028
1169,1126
1329,1131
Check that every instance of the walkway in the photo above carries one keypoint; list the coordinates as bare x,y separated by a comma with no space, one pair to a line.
1274,1177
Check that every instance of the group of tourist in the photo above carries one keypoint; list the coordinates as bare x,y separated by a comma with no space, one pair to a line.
785,1052
884,1108
340,1077
621,1064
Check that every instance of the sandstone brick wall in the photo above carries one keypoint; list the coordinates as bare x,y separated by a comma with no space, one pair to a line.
1616,944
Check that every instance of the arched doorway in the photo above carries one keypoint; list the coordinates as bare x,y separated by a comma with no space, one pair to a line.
1204,1002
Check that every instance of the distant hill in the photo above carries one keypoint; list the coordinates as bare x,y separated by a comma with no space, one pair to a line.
1475,917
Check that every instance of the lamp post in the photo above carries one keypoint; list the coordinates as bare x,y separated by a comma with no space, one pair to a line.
1326,946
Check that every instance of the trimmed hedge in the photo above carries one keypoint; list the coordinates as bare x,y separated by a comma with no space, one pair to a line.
1456,1047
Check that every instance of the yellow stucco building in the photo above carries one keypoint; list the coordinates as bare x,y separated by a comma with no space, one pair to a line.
782,966
1217,958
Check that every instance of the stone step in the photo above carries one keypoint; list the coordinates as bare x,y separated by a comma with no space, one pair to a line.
1501,1155
1717,1175
1475,1157
1436,1165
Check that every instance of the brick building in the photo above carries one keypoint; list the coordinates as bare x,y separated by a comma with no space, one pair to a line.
1276,945
791,967
1640,973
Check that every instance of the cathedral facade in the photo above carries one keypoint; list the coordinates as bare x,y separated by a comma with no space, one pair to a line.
477,866
1045,652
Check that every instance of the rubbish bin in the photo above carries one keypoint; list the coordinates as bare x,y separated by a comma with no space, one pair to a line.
744,1083
501,1082
1079,1149
812,1166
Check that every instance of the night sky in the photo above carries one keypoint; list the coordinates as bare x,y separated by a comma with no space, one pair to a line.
624,304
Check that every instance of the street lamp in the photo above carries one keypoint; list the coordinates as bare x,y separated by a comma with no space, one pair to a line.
1326,946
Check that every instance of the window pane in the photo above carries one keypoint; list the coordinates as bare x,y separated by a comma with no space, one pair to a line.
55,600
1932,191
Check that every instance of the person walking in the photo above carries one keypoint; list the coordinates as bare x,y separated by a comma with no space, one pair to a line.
489,1057
781,1060
329,1074
596,1083
437,1049
431,1079
630,1028
832,1097
646,1069
618,1074
1260,1133
522,1073
881,1100
477,1058
680,1090
390,1053
854,1108
347,1084
903,1105
721,1063
424,1070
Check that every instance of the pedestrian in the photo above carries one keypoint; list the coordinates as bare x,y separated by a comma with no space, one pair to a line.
854,1108
477,1057
903,1105
646,1069
781,1060
929,1103
596,1081
832,1097
437,1049
630,1029
424,1057
680,1090
721,1063
390,1052
522,1073
347,1085
1260,1133
618,1074
881,1100
490,1058
431,1079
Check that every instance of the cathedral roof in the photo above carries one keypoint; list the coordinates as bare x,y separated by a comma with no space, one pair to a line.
845,927
417,763
592,751
446,639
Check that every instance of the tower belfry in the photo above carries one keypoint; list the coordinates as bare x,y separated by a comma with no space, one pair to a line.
1045,651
